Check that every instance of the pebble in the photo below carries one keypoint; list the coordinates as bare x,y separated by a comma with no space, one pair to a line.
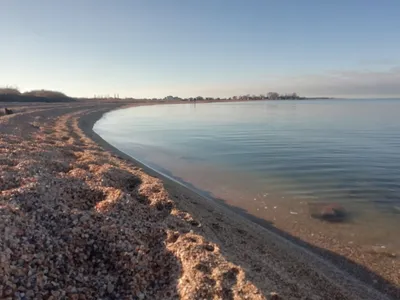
274,296
110,287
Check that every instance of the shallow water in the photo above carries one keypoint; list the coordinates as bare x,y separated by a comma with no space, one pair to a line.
274,158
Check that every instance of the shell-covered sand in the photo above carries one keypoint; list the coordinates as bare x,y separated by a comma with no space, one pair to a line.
80,222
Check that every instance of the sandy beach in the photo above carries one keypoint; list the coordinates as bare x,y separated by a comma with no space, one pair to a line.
81,220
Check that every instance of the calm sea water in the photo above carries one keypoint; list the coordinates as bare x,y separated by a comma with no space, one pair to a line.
266,156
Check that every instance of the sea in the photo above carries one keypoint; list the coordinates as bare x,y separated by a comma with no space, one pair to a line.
278,160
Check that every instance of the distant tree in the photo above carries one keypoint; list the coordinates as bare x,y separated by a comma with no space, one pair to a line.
244,97
8,90
273,96
45,94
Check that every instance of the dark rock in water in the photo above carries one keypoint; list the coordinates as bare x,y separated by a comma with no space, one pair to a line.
330,213
8,111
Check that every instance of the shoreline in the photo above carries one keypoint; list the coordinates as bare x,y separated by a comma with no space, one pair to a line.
260,225
256,261
377,266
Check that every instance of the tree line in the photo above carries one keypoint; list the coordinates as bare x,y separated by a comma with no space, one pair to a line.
267,96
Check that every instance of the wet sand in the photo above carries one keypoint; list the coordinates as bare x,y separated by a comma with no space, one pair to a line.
81,220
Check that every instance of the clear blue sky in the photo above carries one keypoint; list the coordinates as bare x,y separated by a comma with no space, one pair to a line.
209,47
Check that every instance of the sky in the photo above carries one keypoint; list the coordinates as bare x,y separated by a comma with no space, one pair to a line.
186,48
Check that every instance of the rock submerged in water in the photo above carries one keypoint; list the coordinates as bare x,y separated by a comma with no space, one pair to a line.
8,111
330,212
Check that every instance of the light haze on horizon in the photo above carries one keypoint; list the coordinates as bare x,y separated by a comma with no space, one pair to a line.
209,48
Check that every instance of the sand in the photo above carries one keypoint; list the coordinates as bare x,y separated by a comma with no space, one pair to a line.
81,220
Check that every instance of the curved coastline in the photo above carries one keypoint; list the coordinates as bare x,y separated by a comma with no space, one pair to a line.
343,272
120,229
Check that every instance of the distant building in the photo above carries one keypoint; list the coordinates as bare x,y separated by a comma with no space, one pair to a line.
172,98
